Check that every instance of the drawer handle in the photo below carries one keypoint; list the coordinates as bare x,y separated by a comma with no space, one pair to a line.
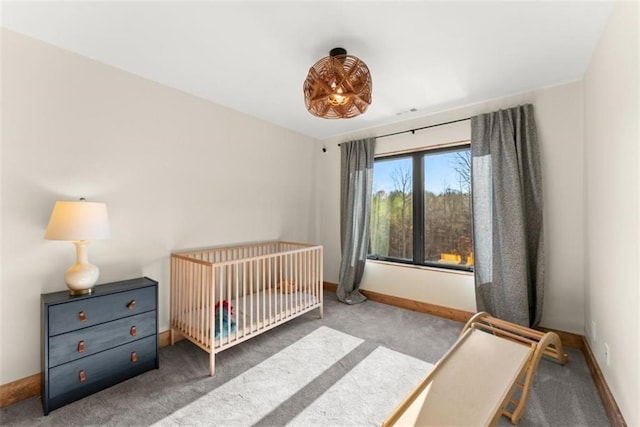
82,377
134,356
133,331
81,347
131,305
82,316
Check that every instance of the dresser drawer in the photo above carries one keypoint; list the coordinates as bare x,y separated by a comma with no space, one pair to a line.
85,342
101,370
93,311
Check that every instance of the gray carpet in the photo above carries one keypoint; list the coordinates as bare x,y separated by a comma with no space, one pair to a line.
561,395
248,398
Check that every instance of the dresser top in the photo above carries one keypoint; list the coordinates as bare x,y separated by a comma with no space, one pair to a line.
107,288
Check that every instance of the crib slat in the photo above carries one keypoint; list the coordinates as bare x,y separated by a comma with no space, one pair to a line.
264,289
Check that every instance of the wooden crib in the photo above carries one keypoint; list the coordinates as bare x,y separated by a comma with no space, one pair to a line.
222,296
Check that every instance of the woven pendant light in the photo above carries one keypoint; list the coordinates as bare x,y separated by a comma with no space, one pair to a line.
338,86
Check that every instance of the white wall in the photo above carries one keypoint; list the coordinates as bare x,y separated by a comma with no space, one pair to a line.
612,227
175,171
558,111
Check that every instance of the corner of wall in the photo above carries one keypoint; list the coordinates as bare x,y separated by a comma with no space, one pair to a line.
612,206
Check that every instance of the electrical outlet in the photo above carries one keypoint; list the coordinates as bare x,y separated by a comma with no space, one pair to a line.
607,354
593,330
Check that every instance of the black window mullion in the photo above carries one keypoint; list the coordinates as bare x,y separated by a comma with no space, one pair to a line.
418,209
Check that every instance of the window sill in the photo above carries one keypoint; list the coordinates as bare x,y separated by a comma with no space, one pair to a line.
421,267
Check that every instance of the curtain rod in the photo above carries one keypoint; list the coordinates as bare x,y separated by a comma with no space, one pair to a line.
421,128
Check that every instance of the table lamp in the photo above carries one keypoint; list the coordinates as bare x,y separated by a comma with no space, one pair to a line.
79,222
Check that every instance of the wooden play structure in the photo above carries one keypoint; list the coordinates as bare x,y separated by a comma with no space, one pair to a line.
487,373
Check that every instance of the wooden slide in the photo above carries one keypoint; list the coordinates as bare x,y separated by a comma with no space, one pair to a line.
476,381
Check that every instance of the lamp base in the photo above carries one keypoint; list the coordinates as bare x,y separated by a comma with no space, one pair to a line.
76,292
82,276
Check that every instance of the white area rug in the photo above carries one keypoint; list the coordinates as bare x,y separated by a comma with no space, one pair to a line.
368,393
364,396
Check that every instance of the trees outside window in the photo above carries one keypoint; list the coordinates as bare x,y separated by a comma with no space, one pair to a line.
392,209
421,208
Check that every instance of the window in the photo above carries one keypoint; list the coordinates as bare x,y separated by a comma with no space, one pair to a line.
421,208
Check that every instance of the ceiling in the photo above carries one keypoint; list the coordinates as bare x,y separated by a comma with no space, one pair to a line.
253,57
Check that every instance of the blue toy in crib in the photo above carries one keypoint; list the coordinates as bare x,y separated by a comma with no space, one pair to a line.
224,310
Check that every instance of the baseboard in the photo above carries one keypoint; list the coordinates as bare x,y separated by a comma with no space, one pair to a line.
568,339
610,406
420,307
19,390
329,286
164,339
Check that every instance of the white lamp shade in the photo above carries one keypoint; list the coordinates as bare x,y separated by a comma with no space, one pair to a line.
78,220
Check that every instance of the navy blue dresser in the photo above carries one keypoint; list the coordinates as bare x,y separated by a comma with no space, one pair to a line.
91,342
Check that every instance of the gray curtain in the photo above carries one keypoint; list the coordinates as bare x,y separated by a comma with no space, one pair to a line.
507,215
356,183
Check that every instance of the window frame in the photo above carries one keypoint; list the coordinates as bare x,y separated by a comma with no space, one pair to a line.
418,207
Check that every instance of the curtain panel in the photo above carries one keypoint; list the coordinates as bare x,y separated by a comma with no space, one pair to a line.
356,184
507,215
